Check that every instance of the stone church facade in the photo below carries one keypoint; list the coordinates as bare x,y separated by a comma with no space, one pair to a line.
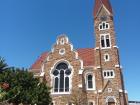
86,76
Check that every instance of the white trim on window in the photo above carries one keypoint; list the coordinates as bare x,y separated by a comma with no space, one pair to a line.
62,41
91,102
104,36
62,51
104,25
59,81
93,81
70,77
108,74
106,57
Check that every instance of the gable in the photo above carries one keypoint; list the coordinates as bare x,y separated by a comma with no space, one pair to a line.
99,4
86,54
103,12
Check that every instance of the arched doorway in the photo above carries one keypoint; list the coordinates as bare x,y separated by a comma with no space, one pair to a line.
111,101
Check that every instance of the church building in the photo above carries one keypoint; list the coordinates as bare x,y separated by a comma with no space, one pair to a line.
85,76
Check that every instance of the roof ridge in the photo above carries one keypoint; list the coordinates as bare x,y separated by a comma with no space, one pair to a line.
84,48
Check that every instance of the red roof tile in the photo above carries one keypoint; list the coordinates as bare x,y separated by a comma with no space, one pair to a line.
39,61
86,54
99,4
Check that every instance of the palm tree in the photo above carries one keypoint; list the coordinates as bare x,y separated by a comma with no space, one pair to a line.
3,65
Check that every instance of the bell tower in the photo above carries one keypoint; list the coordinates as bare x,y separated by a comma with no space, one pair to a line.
107,60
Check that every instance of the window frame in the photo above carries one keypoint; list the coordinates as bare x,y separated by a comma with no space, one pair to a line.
62,41
107,74
91,101
106,54
89,81
104,36
58,76
93,81
62,51
101,25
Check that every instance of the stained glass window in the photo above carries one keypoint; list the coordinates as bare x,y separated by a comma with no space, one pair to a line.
61,78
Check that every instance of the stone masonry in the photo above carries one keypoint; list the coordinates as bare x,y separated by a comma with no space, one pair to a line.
93,76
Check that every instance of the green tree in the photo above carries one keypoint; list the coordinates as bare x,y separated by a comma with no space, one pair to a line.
23,88
3,65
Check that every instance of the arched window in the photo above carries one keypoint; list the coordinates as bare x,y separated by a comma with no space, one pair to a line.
111,101
61,76
90,82
105,40
104,25
90,103
102,41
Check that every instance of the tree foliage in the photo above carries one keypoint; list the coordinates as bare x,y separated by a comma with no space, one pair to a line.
3,65
20,86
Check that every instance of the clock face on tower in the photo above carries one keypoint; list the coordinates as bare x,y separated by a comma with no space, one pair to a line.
103,18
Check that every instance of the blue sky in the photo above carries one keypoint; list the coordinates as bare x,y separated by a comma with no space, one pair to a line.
30,27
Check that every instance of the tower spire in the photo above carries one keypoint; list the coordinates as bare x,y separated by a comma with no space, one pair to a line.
102,3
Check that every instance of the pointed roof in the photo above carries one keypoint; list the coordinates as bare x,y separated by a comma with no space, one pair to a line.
99,4
38,63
